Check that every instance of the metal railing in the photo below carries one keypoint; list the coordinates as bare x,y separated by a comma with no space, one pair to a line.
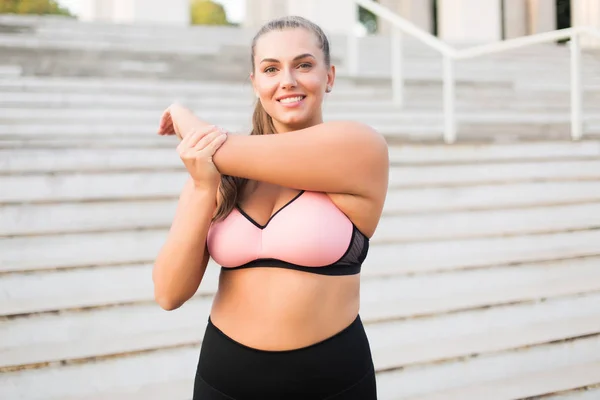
451,55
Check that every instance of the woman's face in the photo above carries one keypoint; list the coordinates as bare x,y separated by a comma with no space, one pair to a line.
290,78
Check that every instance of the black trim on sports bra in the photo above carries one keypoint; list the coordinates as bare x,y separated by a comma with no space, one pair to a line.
349,263
253,221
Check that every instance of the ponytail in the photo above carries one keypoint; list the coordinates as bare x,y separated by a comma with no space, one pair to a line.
262,123
231,187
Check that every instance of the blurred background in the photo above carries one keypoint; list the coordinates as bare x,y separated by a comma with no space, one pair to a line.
483,279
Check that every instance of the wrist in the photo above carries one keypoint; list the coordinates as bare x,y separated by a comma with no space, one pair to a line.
204,188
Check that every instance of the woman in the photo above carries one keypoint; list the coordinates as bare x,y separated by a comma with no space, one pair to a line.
287,212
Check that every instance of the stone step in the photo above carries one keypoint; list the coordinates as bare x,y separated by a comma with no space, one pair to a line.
116,87
168,181
23,117
23,102
85,288
489,197
95,333
583,393
525,386
135,247
503,129
130,216
72,380
545,360
406,206
48,43
43,156
92,86
339,104
143,371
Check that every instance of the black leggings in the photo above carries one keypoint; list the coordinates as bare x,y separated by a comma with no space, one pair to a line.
337,368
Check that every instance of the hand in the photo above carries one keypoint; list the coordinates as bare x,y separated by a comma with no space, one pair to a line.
197,149
177,120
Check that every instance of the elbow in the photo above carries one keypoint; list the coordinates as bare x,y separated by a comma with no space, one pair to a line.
168,303
165,298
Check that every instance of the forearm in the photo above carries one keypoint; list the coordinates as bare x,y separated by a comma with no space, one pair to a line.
181,263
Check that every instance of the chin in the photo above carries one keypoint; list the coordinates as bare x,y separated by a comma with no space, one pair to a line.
295,124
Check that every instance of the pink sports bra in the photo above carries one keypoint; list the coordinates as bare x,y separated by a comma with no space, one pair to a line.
309,233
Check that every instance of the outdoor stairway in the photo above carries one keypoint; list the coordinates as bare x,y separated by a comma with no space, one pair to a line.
60,107
483,278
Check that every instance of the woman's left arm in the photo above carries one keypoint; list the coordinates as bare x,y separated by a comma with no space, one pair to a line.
334,157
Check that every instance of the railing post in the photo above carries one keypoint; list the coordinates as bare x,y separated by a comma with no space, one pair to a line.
397,68
352,46
449,100
576,89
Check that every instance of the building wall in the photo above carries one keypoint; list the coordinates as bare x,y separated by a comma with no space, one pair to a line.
419,12
469,21
586,13
259,12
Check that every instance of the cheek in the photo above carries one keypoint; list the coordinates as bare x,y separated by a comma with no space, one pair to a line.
314,83
265,87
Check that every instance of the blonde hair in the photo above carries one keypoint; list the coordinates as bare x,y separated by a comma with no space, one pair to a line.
262,123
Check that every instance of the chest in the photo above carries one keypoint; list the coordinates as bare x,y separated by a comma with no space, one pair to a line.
309,230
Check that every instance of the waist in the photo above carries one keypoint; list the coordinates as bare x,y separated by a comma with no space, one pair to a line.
276,309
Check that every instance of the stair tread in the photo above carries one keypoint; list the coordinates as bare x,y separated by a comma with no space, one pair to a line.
524,386
87,333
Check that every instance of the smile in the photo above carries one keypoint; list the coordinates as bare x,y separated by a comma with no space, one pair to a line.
291,101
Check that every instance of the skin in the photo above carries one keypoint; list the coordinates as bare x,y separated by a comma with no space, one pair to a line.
274,308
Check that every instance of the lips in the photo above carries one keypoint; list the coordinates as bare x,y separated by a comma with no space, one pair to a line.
291,98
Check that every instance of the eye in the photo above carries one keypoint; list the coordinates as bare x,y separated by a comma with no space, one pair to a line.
269,70
305,65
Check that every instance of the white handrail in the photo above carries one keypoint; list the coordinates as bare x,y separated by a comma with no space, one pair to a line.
406,26
451,55
513,44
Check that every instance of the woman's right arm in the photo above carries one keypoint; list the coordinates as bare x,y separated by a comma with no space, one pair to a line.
181,263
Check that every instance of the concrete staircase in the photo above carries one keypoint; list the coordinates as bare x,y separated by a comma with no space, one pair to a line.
483,280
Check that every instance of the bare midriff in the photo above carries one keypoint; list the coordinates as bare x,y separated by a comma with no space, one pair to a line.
281,309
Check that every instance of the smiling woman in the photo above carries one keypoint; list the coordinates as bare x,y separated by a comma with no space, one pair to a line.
287,211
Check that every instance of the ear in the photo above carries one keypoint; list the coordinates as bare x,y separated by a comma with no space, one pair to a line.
331,77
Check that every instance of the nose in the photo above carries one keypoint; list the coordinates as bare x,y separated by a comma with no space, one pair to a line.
288,80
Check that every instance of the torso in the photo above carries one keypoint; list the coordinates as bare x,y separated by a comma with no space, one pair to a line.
280,309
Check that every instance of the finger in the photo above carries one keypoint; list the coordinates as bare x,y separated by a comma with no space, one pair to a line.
201,134
215,144
206,140
165,124
166,116
189,141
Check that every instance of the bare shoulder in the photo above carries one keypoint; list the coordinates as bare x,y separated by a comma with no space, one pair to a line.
369,150
354,132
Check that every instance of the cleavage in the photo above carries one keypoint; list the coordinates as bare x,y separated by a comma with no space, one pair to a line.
263,201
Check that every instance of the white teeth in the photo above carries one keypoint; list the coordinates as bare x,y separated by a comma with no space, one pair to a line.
291,99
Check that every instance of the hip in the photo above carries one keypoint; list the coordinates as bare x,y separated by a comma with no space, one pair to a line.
339,367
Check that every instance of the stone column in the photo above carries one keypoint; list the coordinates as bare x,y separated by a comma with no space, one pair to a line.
467,22
528,17
515,19
167,12
97,10
333,16
586,13
542,16
419,12
258,12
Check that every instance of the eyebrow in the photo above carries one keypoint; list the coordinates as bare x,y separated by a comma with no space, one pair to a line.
273,60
